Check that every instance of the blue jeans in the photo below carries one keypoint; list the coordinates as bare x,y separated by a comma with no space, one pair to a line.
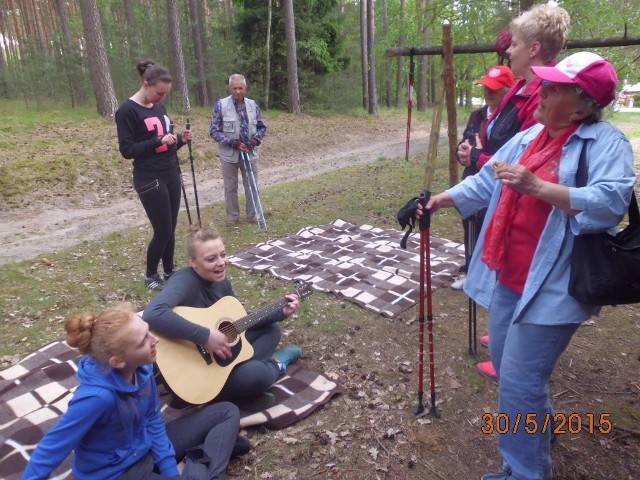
524,356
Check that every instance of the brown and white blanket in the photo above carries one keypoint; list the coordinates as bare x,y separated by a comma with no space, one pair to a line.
363,264
36,391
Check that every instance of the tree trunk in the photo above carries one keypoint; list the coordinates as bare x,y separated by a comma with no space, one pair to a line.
292,57
363,54
371,56
421,84
387,60
400,72
267,58
525,5
177,57
97,58
69,54
204,17
228,25
202,94
132,30
4,82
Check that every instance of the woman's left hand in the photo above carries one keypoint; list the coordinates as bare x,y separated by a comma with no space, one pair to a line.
519,178
293,305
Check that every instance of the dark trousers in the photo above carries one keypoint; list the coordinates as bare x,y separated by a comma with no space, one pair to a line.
255,376
205,437
471,225
160,197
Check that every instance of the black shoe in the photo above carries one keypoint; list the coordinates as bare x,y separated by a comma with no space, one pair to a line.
167,276
154,282
241,447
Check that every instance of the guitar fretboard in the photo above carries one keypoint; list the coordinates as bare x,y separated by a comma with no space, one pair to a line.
256,317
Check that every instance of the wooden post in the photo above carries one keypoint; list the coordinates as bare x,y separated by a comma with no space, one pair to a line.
450,95
434,137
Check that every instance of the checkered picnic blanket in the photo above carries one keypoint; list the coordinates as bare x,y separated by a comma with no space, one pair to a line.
363,264
37,390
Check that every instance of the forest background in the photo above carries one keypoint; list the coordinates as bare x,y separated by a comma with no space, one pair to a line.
307,55
65,64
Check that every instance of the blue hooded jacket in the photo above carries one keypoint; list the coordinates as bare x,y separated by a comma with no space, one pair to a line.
111,425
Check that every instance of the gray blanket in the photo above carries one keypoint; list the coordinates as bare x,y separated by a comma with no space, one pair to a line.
36,391
363,264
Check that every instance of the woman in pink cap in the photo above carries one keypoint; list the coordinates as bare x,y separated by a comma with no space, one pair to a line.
537,37
520,270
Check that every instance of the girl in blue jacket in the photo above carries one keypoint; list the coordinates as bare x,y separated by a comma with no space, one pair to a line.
114,424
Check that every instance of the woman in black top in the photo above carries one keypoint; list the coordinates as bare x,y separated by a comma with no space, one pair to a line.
145,134
203,284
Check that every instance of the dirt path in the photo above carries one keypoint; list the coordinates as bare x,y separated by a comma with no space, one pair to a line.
298,148
27,233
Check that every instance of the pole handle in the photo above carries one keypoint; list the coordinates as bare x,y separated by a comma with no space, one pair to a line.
188,127
425,220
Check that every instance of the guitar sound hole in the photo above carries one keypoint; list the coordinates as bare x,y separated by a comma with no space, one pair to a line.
229,331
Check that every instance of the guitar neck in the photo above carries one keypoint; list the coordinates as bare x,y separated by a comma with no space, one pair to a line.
259,315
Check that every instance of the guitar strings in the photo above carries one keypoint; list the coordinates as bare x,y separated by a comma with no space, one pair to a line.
230,328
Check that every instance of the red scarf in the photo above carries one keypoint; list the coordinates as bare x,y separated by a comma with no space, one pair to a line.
538,154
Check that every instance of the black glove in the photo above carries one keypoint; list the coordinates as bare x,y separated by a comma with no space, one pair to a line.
407,216
254,142
235,144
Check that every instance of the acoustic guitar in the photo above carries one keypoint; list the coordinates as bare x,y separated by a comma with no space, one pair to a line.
191,371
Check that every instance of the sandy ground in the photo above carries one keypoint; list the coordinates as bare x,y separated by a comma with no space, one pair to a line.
33,231
57,224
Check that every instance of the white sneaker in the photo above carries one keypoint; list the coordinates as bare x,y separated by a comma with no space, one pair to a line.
459,283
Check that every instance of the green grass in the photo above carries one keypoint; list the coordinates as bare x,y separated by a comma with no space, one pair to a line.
16,118
38,294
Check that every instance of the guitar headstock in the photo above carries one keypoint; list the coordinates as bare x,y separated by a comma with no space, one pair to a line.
303,289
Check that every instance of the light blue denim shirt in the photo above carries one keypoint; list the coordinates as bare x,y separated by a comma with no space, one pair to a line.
603,204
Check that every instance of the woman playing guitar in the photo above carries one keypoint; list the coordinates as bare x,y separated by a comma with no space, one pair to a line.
201,285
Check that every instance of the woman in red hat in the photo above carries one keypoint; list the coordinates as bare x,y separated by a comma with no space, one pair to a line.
496,84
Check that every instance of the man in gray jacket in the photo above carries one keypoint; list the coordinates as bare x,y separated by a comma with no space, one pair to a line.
238,126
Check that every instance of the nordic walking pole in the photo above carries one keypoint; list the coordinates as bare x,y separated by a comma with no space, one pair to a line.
184,191
254,192
193,176
425,272
473,349
406,217
412,66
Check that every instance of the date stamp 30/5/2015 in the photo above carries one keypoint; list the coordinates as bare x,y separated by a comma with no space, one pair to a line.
557,423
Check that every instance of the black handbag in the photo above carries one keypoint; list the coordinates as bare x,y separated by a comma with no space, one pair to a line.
605,269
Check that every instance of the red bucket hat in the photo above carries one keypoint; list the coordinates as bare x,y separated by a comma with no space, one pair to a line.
595,75
498,77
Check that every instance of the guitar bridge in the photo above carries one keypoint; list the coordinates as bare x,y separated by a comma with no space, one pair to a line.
206,356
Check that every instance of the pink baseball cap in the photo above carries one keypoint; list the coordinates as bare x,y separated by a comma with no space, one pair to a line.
595,75
498,77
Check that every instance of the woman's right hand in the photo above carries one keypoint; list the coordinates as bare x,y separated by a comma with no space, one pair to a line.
464,153
169,139
218,344
435,203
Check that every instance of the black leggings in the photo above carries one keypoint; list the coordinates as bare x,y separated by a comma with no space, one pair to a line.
160,197
254,376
